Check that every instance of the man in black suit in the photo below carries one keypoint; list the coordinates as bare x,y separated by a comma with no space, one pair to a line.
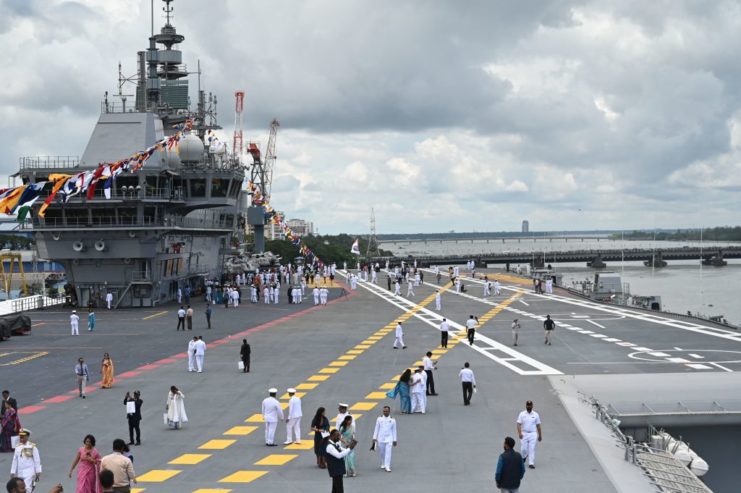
9,400
135,417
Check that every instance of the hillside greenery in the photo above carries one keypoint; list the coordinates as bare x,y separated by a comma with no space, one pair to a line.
329,248
721,233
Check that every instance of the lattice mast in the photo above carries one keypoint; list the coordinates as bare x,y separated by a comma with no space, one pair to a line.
372,249
270,156
237,142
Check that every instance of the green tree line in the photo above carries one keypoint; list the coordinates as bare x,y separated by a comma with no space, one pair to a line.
720,233
329,248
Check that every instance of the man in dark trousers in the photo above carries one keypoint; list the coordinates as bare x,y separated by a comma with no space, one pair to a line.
388,281
244,355
208,315
9,401
135,417
548,325
336,460
510,468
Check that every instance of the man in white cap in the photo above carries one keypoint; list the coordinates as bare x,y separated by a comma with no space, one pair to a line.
74,322
341,413
271,414
293,421
384,435
26,461
399,336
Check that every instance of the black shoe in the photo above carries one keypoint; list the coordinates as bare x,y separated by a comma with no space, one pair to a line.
83,397
531,466
138,443
131,442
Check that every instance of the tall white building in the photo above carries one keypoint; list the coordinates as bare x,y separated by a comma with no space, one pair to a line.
525,226
301,227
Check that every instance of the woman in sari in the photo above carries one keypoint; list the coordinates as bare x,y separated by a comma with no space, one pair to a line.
346,437
88,459
175,409
320,427
106,368
402,390
11,425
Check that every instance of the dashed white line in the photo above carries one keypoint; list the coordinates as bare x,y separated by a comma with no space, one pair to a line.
595,323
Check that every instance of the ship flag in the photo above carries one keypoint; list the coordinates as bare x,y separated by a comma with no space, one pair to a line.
31,193
355,247
22,211
59,180
10,200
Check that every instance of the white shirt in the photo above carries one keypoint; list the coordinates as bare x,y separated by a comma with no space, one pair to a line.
181,313
191,347
109,297
428,364
340,418
385,430
444,327
23,465
466,375
418,383
336,450
271,410
200,347
399,331
294,408
471,323
73,319
528,421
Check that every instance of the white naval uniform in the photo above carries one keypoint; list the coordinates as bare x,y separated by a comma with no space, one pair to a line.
271,414
200,348
109,299
529,425
385,435
276,294
315,292
266,295
497,287
438,305
323,294
293,426
191,355
397,288
26,463
399,339
74,322
418,392
253,292
487,288
410,289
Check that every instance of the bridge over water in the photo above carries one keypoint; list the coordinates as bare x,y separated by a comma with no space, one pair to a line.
593,258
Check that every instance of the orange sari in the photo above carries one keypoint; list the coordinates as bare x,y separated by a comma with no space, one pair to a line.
107,370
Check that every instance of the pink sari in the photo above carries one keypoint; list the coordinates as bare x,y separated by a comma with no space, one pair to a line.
87,472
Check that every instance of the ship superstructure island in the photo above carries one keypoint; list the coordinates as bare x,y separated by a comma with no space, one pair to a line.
142,235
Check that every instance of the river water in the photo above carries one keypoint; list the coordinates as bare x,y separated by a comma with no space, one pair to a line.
684,285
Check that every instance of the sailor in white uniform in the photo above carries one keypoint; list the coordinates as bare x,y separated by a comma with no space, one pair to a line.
271,414
109,299
384,436
374,276
266,295
410,289
438,304
418,392
315,292
487,287
341,413
276,294
253,294
200,349
397,288
192,354
324,295
497,287
528,429
293,421
26,461
74,322
399,337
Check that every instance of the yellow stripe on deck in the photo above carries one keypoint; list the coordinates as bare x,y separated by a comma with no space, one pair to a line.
243,477
158,475
155,315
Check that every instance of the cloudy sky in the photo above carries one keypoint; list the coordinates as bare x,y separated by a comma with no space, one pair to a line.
463,116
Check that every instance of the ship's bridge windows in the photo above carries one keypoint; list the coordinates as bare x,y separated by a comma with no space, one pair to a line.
198,187
152,187
219,187
77,217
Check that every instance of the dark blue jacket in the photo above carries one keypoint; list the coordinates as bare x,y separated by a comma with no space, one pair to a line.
510,470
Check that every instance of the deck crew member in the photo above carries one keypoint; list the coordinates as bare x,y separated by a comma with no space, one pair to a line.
109,299
200,349
397,288
384,436
399,337
74,323
323,295
180,295
438,303
410,288
192,354
468,382
315,293
26,461
418,392
293,421
429,365
528,429
444,329
548,325
471,328
487,286
266,295
497,287
253,293
271,414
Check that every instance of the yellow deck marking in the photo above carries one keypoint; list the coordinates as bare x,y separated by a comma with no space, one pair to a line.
306,386
255,418
286,396
243,477
387,386
329,370
276,459
284,405
216,444
304,445
351,351
25,358
240,430
137,490
158,475
347,357
338,363
317,378
211,490
376,395
362,346
155,315
495,311
363,406
190,459
369,342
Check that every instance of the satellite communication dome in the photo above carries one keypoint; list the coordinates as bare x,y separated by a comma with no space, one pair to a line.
191,149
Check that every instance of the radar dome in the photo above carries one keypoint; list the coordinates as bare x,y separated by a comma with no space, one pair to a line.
191,149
